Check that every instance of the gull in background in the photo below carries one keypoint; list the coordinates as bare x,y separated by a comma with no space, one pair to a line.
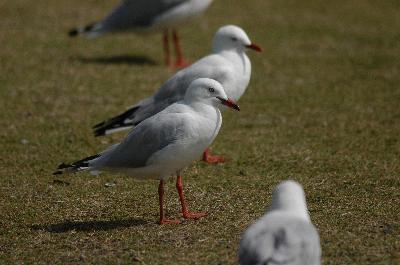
285,234
228,64
165,143
164,15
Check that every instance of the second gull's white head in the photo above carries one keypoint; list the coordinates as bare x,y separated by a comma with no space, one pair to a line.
232,37
289,196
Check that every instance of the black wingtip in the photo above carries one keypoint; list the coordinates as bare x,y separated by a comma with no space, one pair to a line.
88,27
83,162
98,133
63,166
73,32
99,130
76,166
76,31
60,168
119,121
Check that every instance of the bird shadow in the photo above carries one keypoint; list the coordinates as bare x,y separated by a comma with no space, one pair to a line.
119,59
90,226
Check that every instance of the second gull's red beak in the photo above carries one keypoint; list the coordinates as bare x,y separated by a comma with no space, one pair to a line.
254,47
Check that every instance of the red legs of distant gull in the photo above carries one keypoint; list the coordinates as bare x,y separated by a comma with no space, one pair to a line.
185,212
163,220
167,57
212,159
179,62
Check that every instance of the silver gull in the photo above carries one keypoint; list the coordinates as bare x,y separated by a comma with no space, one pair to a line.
285,235
164,15
166,143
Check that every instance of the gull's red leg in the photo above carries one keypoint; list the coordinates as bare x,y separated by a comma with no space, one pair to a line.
212,159
185,212
180,62
167,56
163,220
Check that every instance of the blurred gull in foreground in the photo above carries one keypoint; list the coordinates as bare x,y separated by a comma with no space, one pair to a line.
285,234
167,142
228,64
163,15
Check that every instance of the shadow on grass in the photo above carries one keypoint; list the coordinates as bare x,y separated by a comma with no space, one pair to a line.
90,226
119,59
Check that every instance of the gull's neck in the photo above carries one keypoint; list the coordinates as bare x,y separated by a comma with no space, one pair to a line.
231,54
237,57
295,205
198,104
299,213
207,112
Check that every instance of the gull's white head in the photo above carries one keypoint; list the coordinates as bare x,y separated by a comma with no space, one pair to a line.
289,196
232,37
209,91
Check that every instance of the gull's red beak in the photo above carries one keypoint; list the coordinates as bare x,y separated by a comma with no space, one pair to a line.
254,47
230,103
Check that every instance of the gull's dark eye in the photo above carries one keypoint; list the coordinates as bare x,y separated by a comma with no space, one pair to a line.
234,38
211,89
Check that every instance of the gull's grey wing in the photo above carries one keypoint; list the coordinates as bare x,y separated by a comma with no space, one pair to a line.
143,141
174,89
137,13
280,241
210,66
170,92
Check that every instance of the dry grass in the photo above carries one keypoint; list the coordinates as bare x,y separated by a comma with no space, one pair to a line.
322,108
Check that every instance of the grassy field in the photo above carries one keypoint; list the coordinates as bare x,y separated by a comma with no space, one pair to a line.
323,107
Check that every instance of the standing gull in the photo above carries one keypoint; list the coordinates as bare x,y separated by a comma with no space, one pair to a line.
167,142
228,64
285,235
164,15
